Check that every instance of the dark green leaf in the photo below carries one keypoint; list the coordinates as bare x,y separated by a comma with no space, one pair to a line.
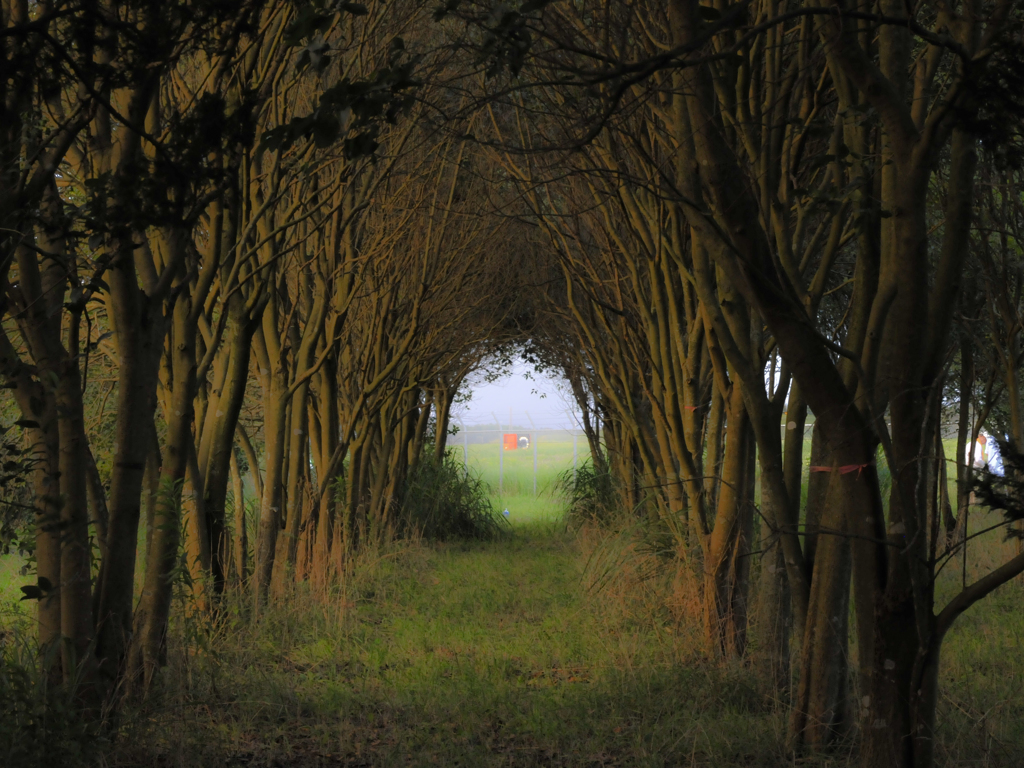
32,592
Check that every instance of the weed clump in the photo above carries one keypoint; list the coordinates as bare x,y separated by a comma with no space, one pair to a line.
444,501
589,496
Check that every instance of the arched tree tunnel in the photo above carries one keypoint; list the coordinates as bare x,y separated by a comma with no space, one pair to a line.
263,244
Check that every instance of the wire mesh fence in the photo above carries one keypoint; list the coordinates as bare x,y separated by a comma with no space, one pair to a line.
520,461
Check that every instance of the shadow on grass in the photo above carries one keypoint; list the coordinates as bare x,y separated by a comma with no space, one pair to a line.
513,714
491,654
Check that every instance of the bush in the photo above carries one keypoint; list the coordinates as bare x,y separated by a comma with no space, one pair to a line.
589,495
444,501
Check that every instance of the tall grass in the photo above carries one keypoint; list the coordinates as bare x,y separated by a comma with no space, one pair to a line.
589,496
466,653
552,647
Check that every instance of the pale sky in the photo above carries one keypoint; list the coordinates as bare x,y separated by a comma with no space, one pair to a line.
545,400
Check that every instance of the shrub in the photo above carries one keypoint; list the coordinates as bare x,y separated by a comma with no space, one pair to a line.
444,501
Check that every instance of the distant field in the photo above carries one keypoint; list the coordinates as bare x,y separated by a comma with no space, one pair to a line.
515,492
555,457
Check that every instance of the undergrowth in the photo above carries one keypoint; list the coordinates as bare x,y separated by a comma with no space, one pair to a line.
443,501
41,722
458,654
588,494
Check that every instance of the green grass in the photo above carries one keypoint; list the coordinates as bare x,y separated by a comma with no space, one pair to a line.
517,477
12,609
462,655
505,654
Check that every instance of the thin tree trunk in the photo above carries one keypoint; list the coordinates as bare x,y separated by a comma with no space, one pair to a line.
139,331
275,424
725,586
153,612
819,712
241,543
218,441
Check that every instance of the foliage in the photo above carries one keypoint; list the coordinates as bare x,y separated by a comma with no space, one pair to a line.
995,107
202,183
350,111
443,501
15,512
43,723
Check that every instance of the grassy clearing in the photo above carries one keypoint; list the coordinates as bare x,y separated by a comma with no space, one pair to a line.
981,700
477,655
516,492
553,457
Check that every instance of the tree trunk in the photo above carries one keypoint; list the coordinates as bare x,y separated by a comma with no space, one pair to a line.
44,444
218,439
139,331
76,556
819,711
241,543
154,608
275,424
725,591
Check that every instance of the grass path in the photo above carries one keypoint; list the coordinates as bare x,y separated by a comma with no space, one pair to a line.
461,655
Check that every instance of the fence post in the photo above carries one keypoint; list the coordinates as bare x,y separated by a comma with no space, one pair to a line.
501,460
535,436
465,450
574,436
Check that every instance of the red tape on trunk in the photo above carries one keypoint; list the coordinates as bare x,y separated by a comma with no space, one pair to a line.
845,469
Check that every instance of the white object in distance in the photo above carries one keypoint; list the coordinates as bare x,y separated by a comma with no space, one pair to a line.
986,454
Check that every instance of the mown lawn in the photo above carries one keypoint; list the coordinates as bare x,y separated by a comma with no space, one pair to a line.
554,457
